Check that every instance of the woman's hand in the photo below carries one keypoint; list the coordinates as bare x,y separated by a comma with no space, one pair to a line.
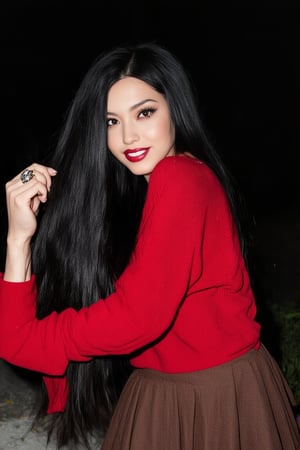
24,194
23,200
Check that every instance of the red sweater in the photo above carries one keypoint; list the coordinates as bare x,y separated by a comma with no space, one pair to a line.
184,301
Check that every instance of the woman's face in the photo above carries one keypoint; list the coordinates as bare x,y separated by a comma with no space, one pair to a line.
140,132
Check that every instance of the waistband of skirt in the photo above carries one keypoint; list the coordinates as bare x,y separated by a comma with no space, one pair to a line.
195,375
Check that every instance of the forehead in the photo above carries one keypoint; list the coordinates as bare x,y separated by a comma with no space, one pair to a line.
129,91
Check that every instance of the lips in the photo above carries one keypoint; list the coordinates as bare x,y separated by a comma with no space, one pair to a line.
137,154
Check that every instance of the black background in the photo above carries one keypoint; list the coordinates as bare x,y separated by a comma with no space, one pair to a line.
244,58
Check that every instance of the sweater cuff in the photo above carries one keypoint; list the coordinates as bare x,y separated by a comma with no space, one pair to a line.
15,284
17,305
18,294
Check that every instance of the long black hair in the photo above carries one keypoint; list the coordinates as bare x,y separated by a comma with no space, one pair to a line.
87,229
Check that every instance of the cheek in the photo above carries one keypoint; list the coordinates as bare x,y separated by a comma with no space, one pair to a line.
167,131
162,130
112,142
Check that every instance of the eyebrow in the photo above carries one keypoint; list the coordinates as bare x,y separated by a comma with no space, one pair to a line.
135,106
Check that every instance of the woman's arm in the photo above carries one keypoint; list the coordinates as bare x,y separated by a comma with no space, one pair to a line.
146,298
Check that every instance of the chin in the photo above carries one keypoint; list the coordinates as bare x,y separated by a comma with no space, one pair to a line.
142,169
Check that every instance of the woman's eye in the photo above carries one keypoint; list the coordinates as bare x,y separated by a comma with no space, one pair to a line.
111,122
146,112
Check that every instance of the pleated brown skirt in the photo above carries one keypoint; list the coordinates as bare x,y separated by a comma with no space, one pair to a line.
244,404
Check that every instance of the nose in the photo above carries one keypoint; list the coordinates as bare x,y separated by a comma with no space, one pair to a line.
130,133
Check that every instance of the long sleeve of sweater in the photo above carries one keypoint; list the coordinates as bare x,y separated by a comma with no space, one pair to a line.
147,296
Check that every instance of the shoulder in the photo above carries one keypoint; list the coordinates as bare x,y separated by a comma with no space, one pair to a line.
183,189
184,175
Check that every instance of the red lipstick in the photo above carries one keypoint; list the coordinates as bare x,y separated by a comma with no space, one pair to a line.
136,154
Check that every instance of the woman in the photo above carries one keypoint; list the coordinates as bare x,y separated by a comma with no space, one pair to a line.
135,273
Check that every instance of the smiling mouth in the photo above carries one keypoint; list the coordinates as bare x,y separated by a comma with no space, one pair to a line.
137,154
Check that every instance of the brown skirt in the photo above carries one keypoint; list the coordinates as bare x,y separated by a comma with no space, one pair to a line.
244,404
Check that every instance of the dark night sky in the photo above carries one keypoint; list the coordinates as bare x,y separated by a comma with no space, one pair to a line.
244,58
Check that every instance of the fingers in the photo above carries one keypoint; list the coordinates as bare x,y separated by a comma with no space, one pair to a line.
24,194
42,173
34,180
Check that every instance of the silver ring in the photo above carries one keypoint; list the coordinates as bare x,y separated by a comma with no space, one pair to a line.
26,175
